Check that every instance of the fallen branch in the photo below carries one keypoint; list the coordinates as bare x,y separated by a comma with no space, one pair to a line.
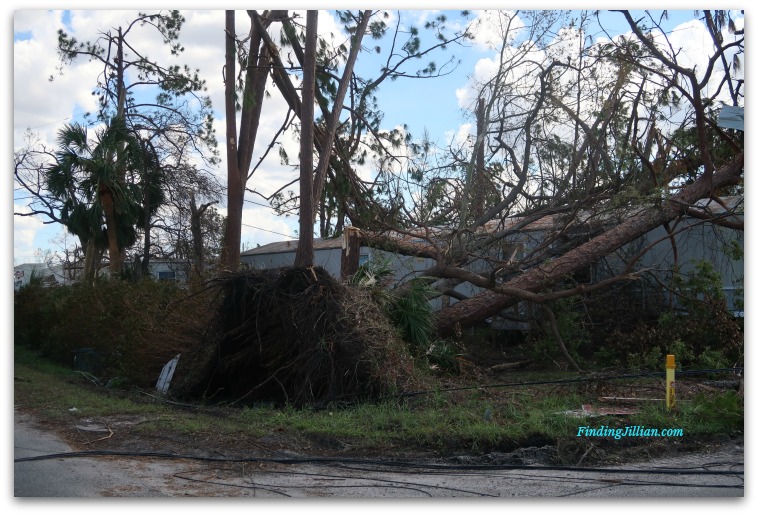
103,438
510,366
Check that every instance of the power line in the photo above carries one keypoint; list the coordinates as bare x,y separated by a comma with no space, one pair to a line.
268,230
396,464
43,125
258,203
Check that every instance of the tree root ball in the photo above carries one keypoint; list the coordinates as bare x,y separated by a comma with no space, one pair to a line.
295,336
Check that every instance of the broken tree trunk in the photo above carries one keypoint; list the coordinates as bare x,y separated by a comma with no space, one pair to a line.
351,250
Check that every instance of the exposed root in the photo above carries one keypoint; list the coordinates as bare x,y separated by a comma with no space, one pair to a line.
296,336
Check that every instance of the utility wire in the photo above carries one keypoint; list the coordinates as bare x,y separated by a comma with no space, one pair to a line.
43,125
425,488
267,230
560,381
385,463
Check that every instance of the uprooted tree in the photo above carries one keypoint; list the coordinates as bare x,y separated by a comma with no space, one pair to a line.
297,334
596,143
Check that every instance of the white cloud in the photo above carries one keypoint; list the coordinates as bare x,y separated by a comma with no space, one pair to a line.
462,136
484,69
490,28
44,105
260,228
39,103
25,228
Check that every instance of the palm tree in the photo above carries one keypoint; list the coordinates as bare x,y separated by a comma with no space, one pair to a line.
89,176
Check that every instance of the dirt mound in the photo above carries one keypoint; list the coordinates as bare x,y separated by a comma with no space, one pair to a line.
295,336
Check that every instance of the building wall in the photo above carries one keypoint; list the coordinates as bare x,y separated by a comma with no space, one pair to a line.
329,259
50,274
697,241
169,270
701,241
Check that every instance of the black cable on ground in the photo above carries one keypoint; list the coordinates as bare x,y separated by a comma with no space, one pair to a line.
363,461
561,381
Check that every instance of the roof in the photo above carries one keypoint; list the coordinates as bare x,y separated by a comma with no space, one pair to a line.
40,268
280,247
734,204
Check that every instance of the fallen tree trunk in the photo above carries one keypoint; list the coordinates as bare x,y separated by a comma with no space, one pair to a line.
477,309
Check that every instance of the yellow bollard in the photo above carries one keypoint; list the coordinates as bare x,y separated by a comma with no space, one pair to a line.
670,389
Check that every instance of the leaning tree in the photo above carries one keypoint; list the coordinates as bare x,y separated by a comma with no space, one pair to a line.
615,136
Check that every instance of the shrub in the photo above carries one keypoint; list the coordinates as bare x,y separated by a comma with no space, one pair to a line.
410,312
132,328
414,317
570,321
703,333
443,355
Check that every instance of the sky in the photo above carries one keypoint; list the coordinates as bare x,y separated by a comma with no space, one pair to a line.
438,105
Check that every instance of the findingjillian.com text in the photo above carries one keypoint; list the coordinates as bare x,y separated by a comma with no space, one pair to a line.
628,432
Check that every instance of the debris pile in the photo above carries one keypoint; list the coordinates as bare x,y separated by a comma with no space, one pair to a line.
294,336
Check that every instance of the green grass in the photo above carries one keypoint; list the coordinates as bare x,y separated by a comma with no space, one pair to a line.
52,390
703,415
465,421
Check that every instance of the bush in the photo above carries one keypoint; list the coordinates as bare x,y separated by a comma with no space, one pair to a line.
32,306
410,312
570,320
702,334
414,317
133,329
443,355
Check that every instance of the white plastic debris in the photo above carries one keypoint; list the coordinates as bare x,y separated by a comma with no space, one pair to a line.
166,375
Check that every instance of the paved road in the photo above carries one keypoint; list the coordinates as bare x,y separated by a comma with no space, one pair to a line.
718,474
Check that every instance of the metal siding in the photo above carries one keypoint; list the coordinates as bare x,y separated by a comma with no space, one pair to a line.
701,241
698,242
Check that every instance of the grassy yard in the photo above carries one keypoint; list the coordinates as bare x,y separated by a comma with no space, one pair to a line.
442,423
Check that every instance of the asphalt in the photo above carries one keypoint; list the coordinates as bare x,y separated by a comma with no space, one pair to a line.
716,474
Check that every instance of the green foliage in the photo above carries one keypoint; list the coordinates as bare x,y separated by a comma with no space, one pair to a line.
724,412
374,272
653,359
733,249
571,326
702,287
442,355
133,328
703,335
86,170
31,307
712,359
476,420
704,414
414,316
410,312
